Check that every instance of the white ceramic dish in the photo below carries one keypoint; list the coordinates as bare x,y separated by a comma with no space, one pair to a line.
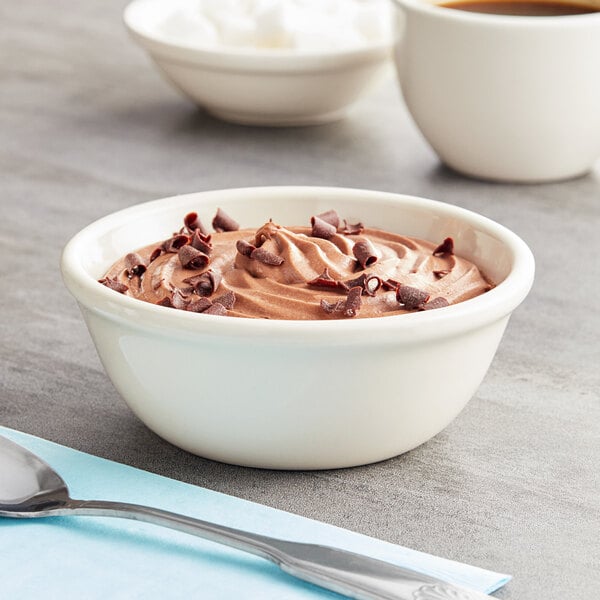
257,87
506,98
297,394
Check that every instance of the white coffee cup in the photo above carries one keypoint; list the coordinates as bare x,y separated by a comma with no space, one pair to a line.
506,98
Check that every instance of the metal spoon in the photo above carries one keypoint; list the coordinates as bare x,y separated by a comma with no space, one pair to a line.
29,488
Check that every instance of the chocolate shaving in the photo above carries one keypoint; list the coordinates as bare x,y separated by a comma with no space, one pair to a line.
322,229
193,223
260,238
353,301
178,300
227,299
446,247
191,258
331,307
245,248
365,253
199,305
174,243
216,309
113,284
411,297
329,216
369,283
166,301
223,222
350,229
441,273
438,302
390,284
155,254
206,283
351,306
201,242
134,264
266,257
325,280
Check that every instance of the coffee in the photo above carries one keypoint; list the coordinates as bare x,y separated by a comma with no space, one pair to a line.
524,8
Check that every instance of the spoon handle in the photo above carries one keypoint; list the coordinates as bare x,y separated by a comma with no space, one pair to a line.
353,575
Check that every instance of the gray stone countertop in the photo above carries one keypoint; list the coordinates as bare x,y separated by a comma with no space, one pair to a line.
87,127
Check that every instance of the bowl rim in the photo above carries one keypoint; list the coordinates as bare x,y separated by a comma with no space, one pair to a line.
464,316
493,20
259,60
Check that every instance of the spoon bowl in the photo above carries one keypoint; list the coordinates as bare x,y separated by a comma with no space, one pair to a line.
30,487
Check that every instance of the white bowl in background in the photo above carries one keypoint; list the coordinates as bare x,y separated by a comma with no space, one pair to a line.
259,87
297,394
499,97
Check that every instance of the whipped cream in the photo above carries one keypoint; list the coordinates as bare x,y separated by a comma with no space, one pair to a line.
315,25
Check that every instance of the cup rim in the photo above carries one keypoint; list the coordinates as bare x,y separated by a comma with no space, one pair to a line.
261,60
470,314
432,8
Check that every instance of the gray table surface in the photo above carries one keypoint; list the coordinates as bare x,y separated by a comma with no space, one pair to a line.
88,127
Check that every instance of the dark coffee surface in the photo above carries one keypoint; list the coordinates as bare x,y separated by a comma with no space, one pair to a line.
526,8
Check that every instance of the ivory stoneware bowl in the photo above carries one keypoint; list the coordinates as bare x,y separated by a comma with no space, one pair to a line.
499,97
259,87
297,394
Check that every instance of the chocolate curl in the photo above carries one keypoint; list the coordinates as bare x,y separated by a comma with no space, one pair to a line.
390,284
113,284
178,300
325,280
332,307
365,253
199,305
223,222
438,302
174,243
216,309
411,297
260,239
206,283
155,254
191,258
445,248
227,300
166,301
134,264
353,301
331,217
322,229
193,223
266,257
201,242
369,283
350,229
245,248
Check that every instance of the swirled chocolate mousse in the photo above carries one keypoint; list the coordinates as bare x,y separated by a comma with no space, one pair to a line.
328,270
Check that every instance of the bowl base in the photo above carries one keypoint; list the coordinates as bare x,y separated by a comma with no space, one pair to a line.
272,462
497,177
266,120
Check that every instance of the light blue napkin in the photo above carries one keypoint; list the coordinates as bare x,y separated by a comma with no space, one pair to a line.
92,558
